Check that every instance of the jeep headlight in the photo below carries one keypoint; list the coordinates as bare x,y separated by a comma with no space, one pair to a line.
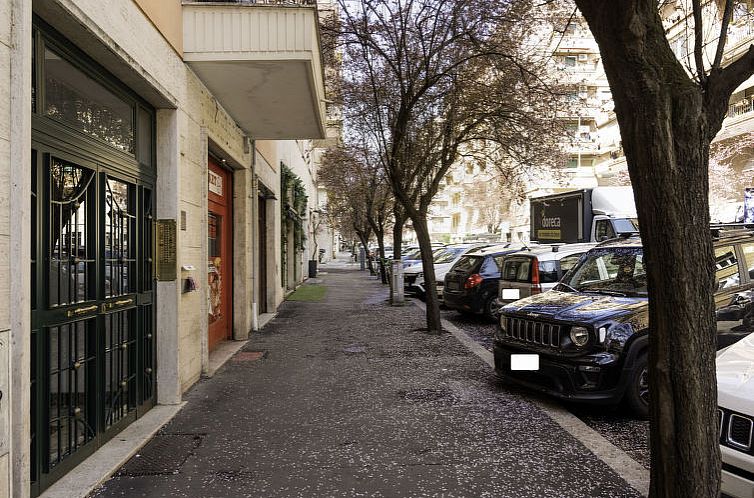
579,336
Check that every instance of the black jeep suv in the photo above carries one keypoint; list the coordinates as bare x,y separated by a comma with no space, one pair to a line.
589,333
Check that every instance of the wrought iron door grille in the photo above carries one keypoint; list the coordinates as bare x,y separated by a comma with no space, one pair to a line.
71,371
71,260
120,366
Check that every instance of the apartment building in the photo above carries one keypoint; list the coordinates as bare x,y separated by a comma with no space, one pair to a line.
141,206
595,154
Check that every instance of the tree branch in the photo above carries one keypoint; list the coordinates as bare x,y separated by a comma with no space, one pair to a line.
699,41
723,34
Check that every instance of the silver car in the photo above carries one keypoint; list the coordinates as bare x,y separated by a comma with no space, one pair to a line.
536,270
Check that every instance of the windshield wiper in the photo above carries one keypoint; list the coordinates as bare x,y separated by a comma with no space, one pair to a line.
609,292
567,286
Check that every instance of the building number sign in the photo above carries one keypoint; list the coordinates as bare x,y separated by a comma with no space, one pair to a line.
215,183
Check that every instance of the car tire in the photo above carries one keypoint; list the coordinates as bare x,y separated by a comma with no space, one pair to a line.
489,308
637,393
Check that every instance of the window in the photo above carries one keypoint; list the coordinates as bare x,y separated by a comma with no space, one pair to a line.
569,262
455,221
603,230
516,269
726,267
742,9
78,100
569,61
490,267
680,46
611,271
572,163
467,264
548,272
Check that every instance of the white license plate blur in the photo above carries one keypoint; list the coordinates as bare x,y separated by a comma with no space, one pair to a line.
511,294
524,362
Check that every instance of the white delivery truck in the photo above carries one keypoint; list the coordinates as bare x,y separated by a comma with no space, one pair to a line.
587,215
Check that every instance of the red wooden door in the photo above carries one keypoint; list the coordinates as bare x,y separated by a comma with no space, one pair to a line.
220,243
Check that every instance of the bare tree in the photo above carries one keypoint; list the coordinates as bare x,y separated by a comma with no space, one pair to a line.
358,191
668,118
435,78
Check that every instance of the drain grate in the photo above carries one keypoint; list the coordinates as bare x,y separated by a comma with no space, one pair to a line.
165,454
445,396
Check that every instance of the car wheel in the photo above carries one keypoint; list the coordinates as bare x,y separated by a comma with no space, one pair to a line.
489,307
637,395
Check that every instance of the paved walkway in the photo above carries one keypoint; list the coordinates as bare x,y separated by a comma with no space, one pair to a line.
351,398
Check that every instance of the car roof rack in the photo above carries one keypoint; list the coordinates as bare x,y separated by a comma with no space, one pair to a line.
731,229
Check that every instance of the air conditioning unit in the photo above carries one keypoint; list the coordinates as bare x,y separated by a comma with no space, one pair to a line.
583,57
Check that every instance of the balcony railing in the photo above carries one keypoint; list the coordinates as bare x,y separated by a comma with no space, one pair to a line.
741,107
740,32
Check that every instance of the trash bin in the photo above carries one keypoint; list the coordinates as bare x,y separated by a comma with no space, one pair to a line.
312,268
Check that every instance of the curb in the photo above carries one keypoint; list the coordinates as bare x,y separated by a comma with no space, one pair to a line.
619,461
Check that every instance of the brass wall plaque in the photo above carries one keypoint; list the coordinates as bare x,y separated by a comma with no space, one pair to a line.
166,266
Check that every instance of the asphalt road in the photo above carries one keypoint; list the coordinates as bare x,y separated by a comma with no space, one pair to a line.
616,424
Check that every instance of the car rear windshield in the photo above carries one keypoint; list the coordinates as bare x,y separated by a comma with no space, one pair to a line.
517,269
449,255
467,264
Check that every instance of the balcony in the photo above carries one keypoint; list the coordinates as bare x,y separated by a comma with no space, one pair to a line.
738,119
262,61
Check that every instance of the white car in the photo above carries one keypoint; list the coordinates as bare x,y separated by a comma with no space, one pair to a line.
444,260
735,398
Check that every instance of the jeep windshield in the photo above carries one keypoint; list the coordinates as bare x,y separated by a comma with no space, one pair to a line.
614,271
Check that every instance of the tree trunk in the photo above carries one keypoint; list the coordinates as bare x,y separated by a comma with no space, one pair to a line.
666,135
381,262
396,286
434,323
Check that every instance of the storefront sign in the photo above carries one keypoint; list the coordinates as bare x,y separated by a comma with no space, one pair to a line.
215,183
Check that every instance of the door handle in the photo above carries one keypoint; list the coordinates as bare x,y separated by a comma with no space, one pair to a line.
81,311
120,302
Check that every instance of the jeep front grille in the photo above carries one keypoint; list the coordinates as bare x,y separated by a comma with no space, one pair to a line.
737,431
529,331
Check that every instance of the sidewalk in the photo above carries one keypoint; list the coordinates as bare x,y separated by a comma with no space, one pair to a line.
351,399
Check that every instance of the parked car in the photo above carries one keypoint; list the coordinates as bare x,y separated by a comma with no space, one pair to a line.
411,257
414,276
471,285
536,270
735,398
589,333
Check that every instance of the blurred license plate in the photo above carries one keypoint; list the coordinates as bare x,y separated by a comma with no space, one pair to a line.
453,285
524,362
511,294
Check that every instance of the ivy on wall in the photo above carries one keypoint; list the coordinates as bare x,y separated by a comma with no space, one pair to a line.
293,210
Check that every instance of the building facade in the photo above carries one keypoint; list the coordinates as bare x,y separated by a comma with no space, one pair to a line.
142,145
